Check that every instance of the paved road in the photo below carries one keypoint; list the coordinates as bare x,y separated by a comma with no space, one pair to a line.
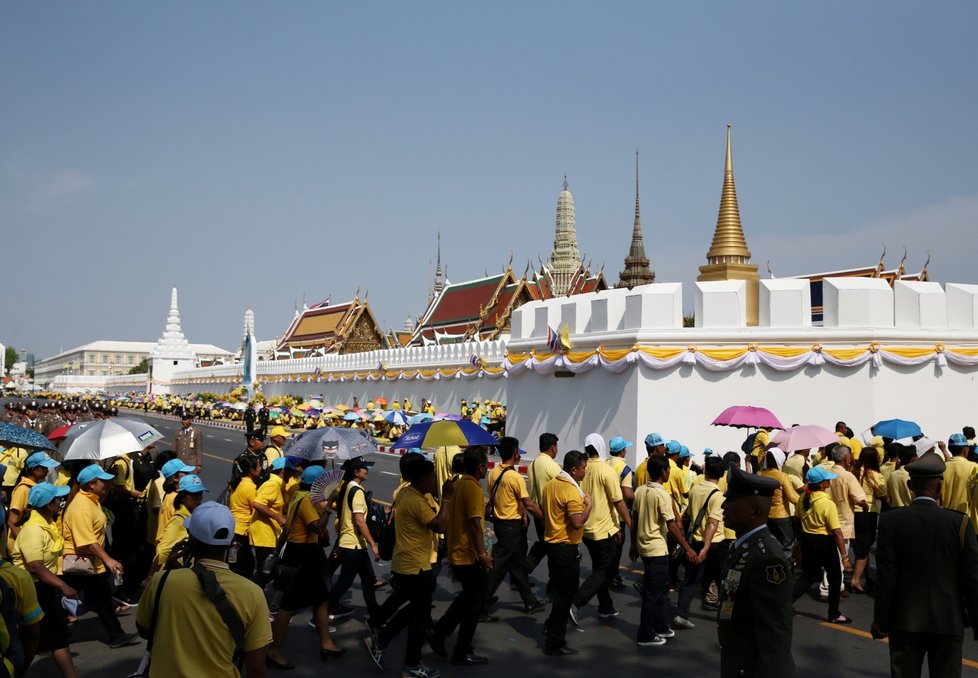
514,642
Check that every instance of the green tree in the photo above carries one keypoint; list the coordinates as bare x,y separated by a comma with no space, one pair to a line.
689,320
10,357
141,368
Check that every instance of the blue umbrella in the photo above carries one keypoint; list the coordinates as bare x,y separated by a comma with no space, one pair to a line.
330,443
351,416
896,429
442,433
420,418
396,417
17,436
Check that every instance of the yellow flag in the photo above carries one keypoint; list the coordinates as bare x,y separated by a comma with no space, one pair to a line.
565,343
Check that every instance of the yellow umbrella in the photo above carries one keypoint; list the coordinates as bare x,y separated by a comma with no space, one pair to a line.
342,408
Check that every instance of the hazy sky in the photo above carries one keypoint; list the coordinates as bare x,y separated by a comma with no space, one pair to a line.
251,153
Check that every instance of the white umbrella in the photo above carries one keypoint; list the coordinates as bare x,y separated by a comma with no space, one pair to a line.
108,438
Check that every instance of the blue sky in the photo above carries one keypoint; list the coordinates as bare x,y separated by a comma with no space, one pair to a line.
252,153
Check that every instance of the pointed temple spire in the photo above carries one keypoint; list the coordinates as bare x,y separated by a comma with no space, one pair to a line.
173,344
439,281
637,271
729,244
565,260
729,258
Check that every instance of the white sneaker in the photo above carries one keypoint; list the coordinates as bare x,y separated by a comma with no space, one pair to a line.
376,652
420,671
667,634
573,616
655,642
682,623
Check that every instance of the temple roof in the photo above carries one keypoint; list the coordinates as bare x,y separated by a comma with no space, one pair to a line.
323,327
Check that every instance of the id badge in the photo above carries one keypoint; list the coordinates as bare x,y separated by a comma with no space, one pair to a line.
726,610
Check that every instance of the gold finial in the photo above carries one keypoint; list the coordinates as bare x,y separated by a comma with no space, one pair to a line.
729,244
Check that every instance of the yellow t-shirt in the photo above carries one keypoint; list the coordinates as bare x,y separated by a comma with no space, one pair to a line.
467,503
602,485
122,470
165,513
697,497
784,496
39,540
84,524
272,453
26,606
761,440
541,471
350,537
263,532
191,638
507,501
676,486
821,516
303,513
618,463
652,507
18,498
413,545
173,533
874,485
291,487
13,458
240,505
898,492
956,490
560,501
642,473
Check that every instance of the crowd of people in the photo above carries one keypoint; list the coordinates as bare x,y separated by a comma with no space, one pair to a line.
746,532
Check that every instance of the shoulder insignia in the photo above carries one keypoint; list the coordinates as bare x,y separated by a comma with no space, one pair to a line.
776,574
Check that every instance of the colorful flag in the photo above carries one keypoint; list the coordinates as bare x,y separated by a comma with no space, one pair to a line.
477,362
553,340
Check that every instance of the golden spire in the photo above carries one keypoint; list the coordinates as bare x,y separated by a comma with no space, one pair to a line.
729,244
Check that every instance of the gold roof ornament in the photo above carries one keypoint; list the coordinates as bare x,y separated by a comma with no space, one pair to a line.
729,244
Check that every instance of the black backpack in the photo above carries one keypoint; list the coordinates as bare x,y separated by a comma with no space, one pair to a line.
748,445
13,654
376,516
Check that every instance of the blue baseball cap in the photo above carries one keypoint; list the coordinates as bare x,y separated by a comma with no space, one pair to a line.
674,447
175,466
43,493
654,439
311,474
956,440
818,474
43,459
192,484
617,444
280,463
92,472
707,451
684,452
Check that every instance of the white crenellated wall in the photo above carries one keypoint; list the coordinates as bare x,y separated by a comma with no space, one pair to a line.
680,401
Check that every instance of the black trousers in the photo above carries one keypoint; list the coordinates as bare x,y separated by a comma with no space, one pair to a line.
509,555
603,569
538,551
416,590
98,597
820,551
654,618
907,651
701,575
355,563
245,563
564,562
464,610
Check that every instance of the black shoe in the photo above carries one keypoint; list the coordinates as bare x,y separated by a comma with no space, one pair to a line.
437,643
559,651
493,600
469,660
125,640
282,666
534,606
331,654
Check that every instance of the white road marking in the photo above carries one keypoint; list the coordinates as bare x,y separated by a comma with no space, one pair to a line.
390,473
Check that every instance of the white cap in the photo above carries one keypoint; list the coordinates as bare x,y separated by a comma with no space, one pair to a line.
211,523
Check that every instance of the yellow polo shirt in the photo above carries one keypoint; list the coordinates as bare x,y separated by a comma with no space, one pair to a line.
697,498
240,505
173,533
263,532
653,511
676,486
898,492
602,485
468,503
18,498
122,470
560,501
39,540
165,513
349,535
956,490
642,473
191,638
821,516
507,498
84,524
413,545
541,472
618,464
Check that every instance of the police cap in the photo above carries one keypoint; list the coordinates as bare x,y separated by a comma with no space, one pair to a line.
928,466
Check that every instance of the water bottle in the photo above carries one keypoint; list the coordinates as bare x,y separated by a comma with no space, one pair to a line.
269,565
117,580
490,539
233,553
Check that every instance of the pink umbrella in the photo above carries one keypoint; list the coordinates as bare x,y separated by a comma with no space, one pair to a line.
745,416
804,437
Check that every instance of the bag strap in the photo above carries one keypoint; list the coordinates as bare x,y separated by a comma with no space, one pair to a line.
624,472
492,495
699,516
284,537
156,610
214,593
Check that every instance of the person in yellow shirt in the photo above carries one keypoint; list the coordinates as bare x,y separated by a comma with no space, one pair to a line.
652,520
959,477
822,543
354,541
898,492
172,471
276,437
36,469
601,531
867,472
268,518
542,470
241,559
566,509
471,562
413,577
655,445
305,523
779,517
706,526
190,495
761,441
617,449
12,458
510,503
38,550
443,463
84,535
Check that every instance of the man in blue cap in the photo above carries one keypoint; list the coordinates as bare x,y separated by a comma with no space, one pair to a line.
926,578
754,623
956,489
655,445
617,448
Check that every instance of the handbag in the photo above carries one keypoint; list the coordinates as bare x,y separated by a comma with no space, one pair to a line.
75,564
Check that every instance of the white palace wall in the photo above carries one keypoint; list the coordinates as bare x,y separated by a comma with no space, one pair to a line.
911,353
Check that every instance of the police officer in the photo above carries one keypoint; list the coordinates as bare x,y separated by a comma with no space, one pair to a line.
189,442
755,618
255,449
